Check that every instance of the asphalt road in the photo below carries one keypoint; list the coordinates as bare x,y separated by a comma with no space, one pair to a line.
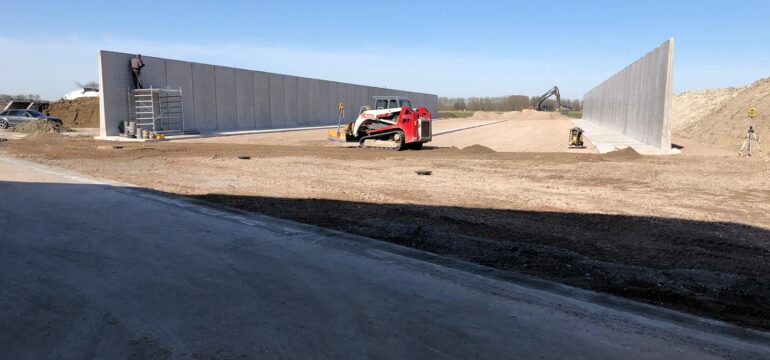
90,269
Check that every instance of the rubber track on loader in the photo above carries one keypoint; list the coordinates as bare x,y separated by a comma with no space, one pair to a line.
362,141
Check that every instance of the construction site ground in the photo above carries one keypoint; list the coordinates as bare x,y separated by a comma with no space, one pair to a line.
690,232
509,132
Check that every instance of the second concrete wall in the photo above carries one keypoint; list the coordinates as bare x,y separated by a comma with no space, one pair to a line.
637,100
218,98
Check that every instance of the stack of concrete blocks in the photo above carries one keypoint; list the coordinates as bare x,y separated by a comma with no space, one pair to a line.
637,101
224,99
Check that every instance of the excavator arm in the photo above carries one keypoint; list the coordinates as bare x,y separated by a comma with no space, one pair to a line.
553,92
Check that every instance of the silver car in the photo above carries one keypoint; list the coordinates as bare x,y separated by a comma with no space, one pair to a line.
14,117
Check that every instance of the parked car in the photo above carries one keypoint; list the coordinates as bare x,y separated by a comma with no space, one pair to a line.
15,117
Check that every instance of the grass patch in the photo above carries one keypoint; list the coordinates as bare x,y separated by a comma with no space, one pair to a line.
452,114
573,114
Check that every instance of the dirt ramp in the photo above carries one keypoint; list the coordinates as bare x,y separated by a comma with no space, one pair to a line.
82,112
727,124
693,106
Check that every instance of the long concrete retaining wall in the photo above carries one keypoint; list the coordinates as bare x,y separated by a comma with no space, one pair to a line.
218,98
637,100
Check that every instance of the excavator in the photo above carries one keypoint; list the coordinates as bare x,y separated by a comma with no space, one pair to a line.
553,91
392,124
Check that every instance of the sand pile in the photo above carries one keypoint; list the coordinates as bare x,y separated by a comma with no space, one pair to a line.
623,154
726,125
692,106
517,115
82,112
36,127
477,150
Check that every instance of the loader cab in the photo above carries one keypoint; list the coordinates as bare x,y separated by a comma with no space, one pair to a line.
391,102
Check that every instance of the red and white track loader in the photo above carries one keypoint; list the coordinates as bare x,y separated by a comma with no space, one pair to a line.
393,124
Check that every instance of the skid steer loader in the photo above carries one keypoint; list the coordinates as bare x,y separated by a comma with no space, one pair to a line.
392,124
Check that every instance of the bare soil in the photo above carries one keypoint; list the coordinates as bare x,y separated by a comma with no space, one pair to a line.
720,117
688,232
693,106
317,137
529,131
36,127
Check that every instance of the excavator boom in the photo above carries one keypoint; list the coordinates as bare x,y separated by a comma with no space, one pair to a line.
554,91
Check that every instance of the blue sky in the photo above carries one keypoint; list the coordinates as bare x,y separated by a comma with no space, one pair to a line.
450,48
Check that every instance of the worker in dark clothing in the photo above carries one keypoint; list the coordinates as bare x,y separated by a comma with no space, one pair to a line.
136,70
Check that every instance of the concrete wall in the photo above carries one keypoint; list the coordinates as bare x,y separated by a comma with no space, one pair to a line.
218,98
637,100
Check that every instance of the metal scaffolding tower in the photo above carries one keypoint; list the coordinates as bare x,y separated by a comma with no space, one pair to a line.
158,110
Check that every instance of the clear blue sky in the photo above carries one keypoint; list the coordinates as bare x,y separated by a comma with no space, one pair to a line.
450,48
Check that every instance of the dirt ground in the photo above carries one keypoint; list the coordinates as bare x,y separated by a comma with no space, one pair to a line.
522,132
510,132
317,137
690,232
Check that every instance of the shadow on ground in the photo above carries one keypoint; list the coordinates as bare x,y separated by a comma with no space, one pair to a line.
715,269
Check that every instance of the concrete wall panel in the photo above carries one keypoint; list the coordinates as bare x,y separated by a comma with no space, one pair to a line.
352,104
220,98
370,91
262,99
335,98
277,107
179,75
637,100
303,101
244,100
361,94
326,101
153,73
226,102
115,79
291,103
204,97
315,106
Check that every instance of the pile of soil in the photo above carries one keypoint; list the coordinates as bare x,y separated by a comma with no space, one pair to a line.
624,154
82,112
35,127
693,106
727,124
477,149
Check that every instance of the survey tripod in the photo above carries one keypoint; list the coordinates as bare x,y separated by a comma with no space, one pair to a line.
751,139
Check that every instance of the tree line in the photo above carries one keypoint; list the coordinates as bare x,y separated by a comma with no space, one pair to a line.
5,98
503,103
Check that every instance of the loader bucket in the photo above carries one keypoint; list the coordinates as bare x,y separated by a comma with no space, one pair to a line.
339,134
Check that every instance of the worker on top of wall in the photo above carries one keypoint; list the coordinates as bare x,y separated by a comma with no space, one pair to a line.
136,70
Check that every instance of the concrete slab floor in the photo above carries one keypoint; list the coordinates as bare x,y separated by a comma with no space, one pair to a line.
607,140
